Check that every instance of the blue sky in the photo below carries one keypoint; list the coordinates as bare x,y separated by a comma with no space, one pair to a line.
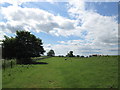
105,8
57,8
67,34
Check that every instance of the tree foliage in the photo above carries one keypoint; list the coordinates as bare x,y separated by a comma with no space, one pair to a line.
9,47
23,46
51,53
70,54
78,56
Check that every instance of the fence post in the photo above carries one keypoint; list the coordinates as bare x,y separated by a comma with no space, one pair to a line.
4,65
11,64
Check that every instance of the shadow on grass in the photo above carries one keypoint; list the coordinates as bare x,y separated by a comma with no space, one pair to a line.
27,61
39,63
33,63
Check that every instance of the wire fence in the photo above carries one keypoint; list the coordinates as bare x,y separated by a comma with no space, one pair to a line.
11,63
8,63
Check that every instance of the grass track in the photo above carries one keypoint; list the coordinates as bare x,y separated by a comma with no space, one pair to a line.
94,72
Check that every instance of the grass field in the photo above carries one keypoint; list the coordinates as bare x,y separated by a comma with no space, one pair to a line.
56,72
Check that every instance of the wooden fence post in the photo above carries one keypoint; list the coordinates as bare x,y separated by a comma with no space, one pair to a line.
11,64
4,65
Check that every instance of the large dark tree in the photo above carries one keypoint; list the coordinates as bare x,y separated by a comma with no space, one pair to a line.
8,48
51,53
24,46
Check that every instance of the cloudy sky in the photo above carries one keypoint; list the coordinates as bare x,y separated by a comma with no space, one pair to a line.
78,25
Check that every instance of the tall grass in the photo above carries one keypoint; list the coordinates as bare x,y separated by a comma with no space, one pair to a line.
8,63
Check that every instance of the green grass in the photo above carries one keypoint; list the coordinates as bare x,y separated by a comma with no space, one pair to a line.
94,72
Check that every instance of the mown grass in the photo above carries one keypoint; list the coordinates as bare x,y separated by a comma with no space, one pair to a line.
94,72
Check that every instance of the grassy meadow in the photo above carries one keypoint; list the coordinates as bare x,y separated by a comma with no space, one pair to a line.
56,72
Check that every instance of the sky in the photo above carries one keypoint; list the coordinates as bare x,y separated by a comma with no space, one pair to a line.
77,25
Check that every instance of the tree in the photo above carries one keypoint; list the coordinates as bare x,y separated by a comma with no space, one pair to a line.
8,48
70,54
82,56
24,46
78,56
51,53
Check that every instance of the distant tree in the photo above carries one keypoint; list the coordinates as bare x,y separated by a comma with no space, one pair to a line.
51,53
78,56
94,55
59,56
82,56
90,55
70,54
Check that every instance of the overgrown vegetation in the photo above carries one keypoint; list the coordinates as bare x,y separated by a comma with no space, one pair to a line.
8,63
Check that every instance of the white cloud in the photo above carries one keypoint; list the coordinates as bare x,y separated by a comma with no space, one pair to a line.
2,35
37,20
73,42
102,31
19,2
33,19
